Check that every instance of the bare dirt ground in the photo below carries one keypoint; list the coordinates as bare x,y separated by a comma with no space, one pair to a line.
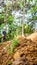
25,53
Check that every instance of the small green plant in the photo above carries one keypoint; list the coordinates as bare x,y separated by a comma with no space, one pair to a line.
14,43
9,50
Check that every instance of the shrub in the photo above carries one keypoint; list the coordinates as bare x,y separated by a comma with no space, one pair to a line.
14,43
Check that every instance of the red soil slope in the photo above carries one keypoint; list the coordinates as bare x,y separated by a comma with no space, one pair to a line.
25,53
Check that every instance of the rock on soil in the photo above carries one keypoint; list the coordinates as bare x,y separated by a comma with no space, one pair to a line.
33,37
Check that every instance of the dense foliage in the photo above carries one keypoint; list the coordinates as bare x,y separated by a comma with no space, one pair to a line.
28,10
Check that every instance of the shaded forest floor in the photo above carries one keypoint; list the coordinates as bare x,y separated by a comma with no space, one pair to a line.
25,53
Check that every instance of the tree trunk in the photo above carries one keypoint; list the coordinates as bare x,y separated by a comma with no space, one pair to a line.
23,20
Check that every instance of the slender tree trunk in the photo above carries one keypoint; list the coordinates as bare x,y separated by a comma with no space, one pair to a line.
23,19
6,13
23,26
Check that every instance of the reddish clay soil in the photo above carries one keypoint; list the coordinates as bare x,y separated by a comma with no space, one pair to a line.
25,53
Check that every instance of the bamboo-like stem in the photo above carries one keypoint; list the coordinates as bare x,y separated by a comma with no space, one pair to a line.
6,13
23,19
